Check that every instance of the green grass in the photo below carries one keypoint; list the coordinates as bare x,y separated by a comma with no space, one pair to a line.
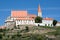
48,27
18,36
57,32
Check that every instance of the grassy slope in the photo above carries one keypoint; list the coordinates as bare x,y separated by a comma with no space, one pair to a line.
26,36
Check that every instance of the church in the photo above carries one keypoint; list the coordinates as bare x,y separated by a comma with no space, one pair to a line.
22,17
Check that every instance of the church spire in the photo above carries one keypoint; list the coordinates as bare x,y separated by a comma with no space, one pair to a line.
39,11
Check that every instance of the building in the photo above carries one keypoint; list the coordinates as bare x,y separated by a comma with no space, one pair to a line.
22,17
58,24
2,27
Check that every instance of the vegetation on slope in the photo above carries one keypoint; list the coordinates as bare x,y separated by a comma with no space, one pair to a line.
8,34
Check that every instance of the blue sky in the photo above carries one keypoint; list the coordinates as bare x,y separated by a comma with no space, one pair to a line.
50,8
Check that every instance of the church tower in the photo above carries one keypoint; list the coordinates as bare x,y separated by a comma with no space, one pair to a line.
39,11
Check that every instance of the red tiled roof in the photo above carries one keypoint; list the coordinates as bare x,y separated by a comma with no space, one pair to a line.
24,19
18,13
31,15
47,19
2,27
22,15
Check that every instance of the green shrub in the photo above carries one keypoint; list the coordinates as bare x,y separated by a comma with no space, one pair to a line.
27,29
0,36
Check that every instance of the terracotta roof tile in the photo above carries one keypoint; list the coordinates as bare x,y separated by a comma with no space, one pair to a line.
2,27
31,15
47,19
18,13
24,19
22,15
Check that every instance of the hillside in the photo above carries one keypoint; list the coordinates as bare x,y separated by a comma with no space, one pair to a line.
30,33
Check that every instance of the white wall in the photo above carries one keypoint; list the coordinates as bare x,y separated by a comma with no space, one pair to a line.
24,22
41,24
39,14
47,22
28,22
58,24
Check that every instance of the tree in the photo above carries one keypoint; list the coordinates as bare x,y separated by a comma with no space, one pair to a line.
18,25
27,29
38,19
0,36
54,22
